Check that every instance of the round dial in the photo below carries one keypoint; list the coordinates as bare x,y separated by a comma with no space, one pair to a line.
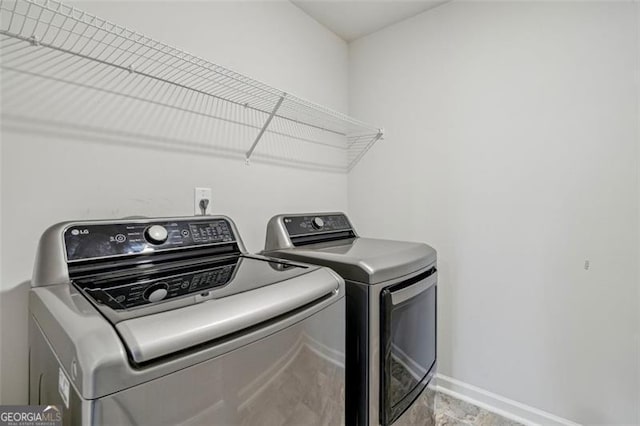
317,222
156,234
156,292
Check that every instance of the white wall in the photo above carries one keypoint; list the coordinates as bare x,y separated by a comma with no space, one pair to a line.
1,258
512,147
46,180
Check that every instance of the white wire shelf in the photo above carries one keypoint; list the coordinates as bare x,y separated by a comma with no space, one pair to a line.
64,68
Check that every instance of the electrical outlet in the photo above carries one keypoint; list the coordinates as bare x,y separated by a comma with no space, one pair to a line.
201,194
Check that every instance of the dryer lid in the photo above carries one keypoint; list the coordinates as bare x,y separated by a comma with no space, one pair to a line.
366,260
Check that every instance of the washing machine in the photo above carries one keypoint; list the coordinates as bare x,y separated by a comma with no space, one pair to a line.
391,313
169,321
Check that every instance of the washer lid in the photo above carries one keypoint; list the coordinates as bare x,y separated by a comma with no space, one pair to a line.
367,260
153,336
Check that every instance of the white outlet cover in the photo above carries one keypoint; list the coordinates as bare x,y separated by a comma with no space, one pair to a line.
199,194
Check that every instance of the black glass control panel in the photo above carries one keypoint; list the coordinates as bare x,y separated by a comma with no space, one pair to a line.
104,240
144,292
304,225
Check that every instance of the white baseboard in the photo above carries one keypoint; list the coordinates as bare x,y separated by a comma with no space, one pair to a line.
490,401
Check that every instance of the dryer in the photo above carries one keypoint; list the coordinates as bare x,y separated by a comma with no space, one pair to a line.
391,316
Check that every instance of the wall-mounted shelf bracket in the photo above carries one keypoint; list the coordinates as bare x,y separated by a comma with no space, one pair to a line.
264,129
369,141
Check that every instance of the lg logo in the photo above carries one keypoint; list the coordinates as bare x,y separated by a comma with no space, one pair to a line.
79,231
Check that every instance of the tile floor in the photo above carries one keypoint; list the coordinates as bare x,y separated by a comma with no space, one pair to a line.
449,411
452,411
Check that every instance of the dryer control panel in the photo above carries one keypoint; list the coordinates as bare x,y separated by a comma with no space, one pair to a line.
94,241
314,224
303,229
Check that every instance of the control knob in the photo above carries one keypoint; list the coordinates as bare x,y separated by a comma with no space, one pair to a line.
317,223
156,234
156,292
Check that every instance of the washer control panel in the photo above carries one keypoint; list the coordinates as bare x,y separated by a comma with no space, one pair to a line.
316,224
93,241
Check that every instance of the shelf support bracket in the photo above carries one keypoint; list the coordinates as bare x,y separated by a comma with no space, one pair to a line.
264,128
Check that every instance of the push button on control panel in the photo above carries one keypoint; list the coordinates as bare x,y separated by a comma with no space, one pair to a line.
156,234
317,223
156,292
